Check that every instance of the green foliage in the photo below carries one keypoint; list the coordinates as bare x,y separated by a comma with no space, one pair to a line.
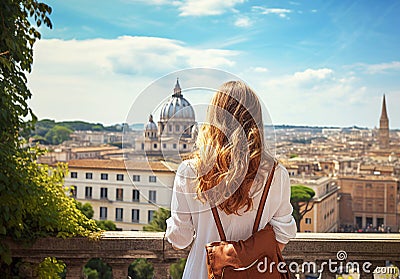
58,134
300,199
86,209
97,269
158,224
32,199
141,269
301,193
51,268
176,269
44,126
106,225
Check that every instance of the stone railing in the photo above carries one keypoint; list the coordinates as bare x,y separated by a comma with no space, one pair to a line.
119,249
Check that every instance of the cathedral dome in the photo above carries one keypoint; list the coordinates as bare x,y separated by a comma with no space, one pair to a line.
150,126
177,107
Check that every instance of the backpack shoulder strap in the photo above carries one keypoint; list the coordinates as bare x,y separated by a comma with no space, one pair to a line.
218,223
259,211
264,198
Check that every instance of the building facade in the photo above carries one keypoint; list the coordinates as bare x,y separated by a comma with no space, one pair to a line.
127,193
369,201
324,216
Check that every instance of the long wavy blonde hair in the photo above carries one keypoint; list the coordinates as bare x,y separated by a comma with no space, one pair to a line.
231,155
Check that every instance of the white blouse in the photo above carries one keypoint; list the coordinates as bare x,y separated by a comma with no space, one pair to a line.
192,221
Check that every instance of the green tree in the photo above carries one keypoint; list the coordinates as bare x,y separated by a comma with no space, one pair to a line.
158,224
176,269
97,269
106,225
58,134
141,269
86,209
301,200
32,198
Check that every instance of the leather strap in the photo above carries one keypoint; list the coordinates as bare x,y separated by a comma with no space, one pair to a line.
263,199
259,211
219,224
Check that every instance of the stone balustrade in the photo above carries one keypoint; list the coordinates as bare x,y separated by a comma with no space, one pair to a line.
119,249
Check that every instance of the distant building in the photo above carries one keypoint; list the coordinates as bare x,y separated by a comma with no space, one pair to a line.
127,193
383,135
324,216
176,130
369,200
64,154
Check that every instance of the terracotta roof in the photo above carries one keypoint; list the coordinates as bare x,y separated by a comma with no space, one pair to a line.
377,168
93,149
119,165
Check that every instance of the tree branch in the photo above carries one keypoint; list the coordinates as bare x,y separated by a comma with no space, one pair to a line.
4,52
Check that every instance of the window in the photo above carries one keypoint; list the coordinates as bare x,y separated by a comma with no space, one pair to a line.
74,174
169,128
104,176
72,192
103,213
142,146
152,196
369,221
177,128
135,215
118,214
120,194
359,222
308,220
150,216
136,178
89,175
164,145
184,146
103,193
155,145
368,185
135,195
174,145
88,192
152,178
120,177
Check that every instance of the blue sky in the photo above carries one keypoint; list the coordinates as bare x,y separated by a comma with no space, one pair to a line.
311,62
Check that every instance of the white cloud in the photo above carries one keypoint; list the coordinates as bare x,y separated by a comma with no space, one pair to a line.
382,67
243,21
278,11
317,97
206,7
311,74
97,79
259,69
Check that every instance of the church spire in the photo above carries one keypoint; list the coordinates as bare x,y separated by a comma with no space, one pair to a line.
384,127
384,112
177,89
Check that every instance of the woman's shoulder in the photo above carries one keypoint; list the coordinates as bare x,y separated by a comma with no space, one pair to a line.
281,169
187,169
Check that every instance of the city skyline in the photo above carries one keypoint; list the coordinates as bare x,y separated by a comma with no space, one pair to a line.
320,63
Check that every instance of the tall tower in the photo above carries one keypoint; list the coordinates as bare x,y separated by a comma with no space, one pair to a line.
384,127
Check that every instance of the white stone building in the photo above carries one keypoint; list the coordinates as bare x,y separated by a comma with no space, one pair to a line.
127,193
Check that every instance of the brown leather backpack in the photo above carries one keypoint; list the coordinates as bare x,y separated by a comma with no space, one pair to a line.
256,257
